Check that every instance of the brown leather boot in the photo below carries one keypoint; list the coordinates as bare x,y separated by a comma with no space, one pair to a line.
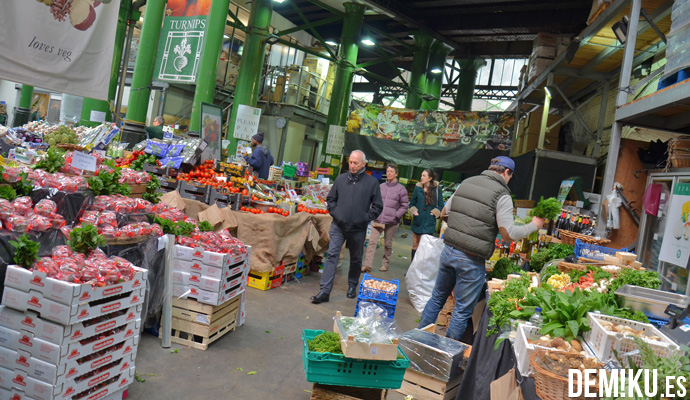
366,269
383,268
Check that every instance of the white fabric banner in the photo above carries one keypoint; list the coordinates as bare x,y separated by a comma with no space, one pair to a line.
66,47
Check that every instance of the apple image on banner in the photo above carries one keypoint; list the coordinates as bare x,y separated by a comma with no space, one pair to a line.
82,14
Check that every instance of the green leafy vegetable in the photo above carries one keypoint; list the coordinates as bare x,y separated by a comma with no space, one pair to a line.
327,342
107,183
23,186
7,193
179,228
629,276
85,239
546,208
25,251
554,251
138,164
205,226
503,268
504,302
151,193
52,162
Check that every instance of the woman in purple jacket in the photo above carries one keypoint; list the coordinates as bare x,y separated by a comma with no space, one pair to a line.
395,202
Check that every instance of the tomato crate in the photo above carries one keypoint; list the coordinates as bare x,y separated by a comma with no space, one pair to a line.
267,280
369,289
197,325
198,254
336,369
603,342
214,298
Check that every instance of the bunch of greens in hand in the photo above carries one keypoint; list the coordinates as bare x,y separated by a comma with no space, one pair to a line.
52,162
85,239
546,208
25,251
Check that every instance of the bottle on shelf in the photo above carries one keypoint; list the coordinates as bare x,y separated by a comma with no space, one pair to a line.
536,319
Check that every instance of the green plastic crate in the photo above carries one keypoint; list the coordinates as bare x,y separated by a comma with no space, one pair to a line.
289,171
336,369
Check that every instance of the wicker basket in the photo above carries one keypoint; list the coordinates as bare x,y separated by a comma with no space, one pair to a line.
569,237
328,392
550,386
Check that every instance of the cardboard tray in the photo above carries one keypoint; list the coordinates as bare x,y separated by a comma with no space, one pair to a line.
361,350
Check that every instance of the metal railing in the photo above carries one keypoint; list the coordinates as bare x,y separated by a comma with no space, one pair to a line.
296,85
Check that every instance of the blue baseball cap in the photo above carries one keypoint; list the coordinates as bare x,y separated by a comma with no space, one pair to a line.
505,162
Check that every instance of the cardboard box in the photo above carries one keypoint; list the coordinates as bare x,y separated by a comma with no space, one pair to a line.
66,292
208,257
209,271
544,52
68,356
206,283
66,314
63,334
207,297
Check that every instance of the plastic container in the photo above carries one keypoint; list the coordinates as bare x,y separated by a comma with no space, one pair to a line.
536,318
603,342
289,171
336,369
390,307
593,251
376,294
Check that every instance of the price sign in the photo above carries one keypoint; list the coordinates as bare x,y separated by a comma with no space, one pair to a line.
83,161
293,195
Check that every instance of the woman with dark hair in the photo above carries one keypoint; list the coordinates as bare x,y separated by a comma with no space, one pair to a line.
395,202
425,206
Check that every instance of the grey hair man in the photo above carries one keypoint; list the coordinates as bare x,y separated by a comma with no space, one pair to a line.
353,202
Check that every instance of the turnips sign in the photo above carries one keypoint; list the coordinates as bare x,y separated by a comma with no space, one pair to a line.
60,45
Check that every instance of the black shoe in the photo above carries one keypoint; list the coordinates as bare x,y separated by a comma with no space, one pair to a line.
320,298
351,292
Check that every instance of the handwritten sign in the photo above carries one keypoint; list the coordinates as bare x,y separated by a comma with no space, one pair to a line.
336,140
247,122
83,161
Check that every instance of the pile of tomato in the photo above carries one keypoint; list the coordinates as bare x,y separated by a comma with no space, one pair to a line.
277,210
204,174
252,210
301,208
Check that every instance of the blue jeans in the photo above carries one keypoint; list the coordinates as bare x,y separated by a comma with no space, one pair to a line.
463,274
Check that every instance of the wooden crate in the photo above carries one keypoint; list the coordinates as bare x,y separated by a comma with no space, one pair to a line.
446,312
197,325
424,387
331,392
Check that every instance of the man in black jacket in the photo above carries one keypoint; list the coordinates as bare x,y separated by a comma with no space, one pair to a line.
353,202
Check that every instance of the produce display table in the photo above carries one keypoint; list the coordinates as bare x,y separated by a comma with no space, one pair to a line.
486,365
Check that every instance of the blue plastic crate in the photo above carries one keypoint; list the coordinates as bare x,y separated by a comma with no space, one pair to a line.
589,249
375,294
661,322
390,308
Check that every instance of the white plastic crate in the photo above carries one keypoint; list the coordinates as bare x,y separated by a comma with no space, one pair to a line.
603,342
524,349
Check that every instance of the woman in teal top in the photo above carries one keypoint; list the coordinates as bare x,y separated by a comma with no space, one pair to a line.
426,204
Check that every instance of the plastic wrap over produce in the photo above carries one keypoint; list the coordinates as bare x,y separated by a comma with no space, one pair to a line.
433,355
371,325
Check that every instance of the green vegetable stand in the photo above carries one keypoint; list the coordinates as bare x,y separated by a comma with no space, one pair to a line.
336,369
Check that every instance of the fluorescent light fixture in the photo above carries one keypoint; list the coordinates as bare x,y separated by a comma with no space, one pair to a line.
226,37
548,92
368,42
620,29
278,1
331,43
436,70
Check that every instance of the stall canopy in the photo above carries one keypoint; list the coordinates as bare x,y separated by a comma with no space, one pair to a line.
452,140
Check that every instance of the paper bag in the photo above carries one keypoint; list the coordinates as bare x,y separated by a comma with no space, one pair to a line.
173,199
506,388
212,215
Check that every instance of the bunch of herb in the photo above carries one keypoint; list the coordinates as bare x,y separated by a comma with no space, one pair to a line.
2,173
205,226
25,251
151,194
546,208
629,276
52,162
107,183
597,273
503,268
554,251
327,342
7,193
138,164
85,238
503,302
23,186
179,228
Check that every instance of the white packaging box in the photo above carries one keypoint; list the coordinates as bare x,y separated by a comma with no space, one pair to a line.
66,292
208,257
211,298
63,334
210,271
69,314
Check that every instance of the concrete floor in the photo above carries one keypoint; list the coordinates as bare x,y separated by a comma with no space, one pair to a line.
269,342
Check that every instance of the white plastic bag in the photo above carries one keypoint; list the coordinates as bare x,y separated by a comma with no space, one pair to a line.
421,276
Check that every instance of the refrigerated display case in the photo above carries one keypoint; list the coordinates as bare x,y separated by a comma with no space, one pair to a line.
674,278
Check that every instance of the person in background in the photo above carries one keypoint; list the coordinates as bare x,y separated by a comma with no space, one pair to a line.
480,208
261,158
156,131
425,206
395,202
353,201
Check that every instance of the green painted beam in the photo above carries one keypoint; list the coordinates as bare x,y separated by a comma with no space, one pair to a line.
434,82
387,58
26,96
326,7
311,24
236,26
422,48
311,29
236,19
466,83
382,60
146,58
306,50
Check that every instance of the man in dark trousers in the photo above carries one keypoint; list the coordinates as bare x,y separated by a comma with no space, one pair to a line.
353,202
480,208
261,158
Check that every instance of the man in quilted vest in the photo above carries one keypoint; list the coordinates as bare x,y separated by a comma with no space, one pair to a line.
480,208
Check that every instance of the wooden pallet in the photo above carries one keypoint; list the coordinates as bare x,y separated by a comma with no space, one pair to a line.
197,325
424,387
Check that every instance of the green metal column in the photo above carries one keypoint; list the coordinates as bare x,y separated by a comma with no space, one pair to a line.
422,47
345,68
434,81
208,66
26,96
100,105
146,58
468,76
251,65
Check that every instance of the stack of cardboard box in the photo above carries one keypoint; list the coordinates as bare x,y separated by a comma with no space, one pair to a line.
546,47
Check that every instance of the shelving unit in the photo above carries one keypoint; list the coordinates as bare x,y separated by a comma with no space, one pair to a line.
667,109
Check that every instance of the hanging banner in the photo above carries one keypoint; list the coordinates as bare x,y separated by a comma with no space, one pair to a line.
675,248
181,40
247,122
61,45
336,140
447,129
211,122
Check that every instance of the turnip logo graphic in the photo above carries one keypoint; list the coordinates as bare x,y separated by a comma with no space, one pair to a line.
181,49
